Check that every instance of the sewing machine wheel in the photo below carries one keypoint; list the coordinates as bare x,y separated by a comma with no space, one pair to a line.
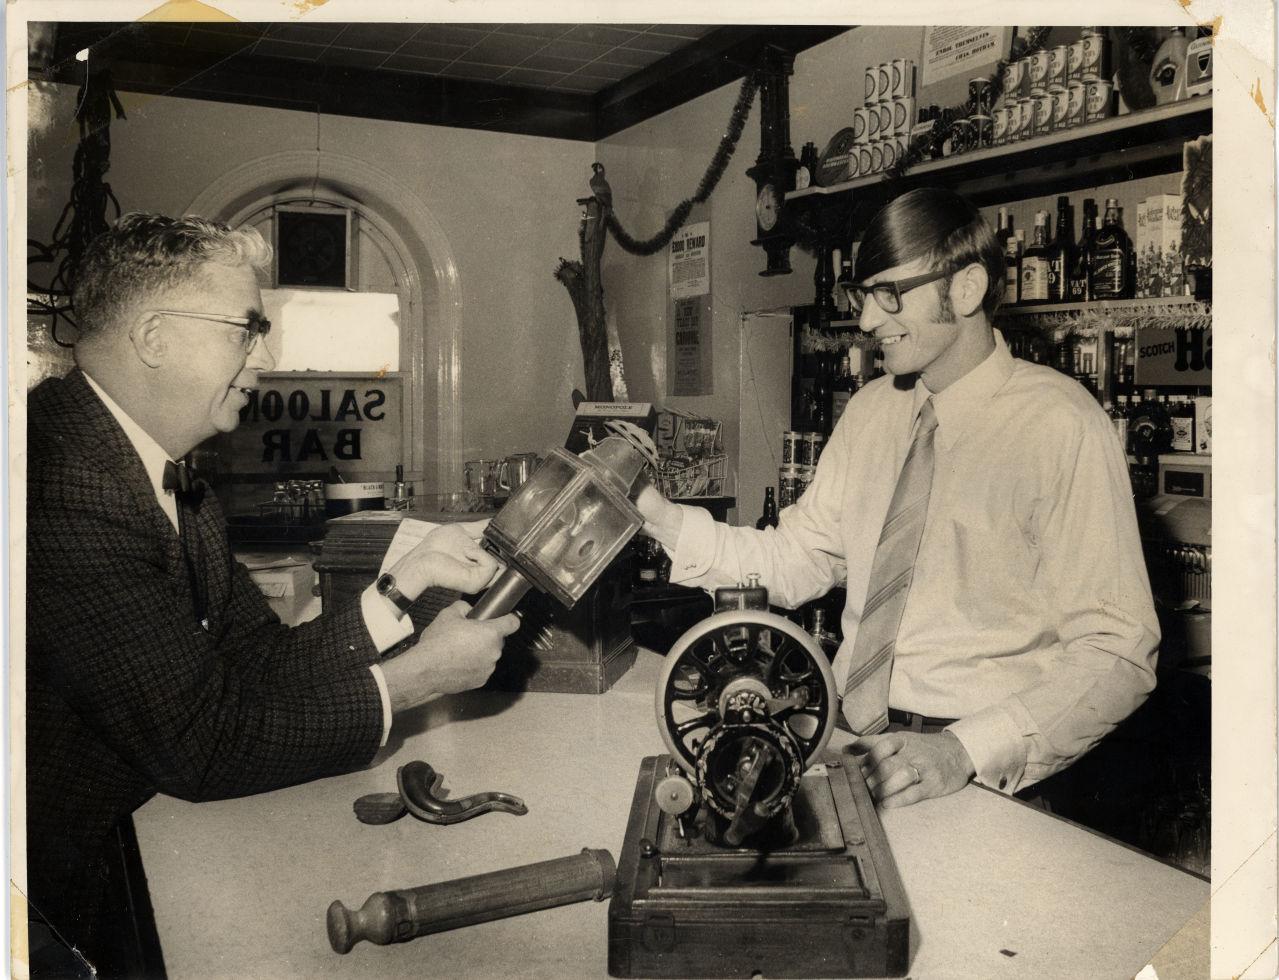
735,655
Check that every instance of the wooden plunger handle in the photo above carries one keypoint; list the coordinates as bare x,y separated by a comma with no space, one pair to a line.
502,596
398,916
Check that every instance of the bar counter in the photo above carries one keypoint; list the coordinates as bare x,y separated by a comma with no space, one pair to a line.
240,887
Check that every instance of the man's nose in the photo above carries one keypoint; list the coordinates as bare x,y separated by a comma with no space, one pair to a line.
261,358
872,316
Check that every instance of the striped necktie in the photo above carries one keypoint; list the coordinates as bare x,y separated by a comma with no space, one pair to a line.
871,663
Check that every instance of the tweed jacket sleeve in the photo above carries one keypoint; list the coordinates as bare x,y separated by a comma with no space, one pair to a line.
244,706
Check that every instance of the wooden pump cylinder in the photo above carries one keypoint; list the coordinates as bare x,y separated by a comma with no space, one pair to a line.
398,916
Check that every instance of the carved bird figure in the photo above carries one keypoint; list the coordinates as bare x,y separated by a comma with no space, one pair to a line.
599,186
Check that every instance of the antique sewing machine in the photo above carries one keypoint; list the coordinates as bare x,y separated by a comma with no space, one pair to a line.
751,850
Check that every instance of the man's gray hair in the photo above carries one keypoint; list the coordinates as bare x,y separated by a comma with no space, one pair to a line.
142,253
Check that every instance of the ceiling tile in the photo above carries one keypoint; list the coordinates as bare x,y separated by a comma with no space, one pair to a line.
600,69
350,58
596,82
271,48
168,33
374,37
533,79
574,84
503,49
467,34
600,34
425,66
312,33
425,48
490,73
219,44
630,57
537,30
657,42
236,28
689,31
544,62
563,48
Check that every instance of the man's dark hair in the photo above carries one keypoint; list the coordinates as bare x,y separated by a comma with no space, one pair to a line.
142,253
938,226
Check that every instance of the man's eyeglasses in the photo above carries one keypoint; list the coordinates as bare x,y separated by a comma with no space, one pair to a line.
889,294
254,325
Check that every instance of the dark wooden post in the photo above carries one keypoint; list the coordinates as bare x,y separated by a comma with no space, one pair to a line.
582,280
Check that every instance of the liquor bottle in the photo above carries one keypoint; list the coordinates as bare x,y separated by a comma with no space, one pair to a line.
841,390
1111,276
807,166
1077,290
1036,264
1004,229
769,517
1118,419
1062,252
1013,249
844,280
821,398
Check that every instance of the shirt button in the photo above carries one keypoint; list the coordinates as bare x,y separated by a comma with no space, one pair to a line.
1003,782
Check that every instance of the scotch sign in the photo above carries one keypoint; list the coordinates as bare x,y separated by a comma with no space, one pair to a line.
1178,356
303,423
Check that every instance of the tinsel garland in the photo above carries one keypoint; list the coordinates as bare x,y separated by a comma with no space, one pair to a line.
1097,321
719,162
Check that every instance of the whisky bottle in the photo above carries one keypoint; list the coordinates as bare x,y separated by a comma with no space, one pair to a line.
1077,290
1013,249
841,390
1112,264
1061,252
1036,264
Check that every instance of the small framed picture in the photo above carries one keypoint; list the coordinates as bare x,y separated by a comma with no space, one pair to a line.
314,247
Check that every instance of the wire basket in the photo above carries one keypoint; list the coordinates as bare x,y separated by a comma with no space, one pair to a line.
683,477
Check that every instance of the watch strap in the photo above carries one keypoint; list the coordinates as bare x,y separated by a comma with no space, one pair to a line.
386,586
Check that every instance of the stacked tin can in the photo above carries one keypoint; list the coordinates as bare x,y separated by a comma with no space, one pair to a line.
1055,88
800,452
881,125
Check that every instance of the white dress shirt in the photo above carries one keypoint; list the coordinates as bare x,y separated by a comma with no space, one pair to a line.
1030,617
382,619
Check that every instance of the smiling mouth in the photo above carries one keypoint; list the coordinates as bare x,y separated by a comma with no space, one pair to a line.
889,341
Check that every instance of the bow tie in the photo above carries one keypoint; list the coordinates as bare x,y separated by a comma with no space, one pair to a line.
179,478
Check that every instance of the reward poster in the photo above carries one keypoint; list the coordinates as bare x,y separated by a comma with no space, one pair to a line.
688,312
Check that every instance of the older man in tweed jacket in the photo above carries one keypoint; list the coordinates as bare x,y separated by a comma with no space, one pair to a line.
153,662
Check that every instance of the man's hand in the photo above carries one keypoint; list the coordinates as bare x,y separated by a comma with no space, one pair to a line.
453,654
450,557
905,767
662,519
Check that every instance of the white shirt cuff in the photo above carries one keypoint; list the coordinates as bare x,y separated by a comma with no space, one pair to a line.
995,746
386,702
386,625
695,550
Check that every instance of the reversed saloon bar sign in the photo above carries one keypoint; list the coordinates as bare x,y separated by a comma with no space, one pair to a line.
301,424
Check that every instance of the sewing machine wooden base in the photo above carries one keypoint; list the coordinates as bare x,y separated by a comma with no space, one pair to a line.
830,904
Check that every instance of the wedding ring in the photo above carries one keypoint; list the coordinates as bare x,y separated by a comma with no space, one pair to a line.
917,778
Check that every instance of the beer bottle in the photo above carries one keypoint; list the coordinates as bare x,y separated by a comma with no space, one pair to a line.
769,517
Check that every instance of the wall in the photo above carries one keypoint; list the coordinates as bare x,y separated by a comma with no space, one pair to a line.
507,205
653,165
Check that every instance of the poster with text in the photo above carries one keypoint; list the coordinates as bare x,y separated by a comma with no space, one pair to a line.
688,312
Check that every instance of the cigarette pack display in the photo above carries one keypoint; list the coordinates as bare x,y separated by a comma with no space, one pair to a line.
1159,269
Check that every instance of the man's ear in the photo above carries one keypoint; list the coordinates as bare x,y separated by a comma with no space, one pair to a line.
148,339
968,288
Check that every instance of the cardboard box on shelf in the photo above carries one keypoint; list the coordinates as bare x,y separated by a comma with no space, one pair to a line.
1158,246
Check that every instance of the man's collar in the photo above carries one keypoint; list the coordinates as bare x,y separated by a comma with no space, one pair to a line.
151,453
958,403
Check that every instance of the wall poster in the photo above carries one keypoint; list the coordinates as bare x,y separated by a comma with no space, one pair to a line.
688,312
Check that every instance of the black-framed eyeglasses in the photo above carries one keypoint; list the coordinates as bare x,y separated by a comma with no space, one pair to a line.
889,294
255,325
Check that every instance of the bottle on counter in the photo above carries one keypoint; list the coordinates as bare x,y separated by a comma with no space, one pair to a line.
1062,252
1077,285
769,517
1111,276
1036,264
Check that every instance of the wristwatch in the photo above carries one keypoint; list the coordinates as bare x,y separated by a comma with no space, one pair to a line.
385,585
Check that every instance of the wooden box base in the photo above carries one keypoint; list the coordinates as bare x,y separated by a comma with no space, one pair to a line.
829,905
